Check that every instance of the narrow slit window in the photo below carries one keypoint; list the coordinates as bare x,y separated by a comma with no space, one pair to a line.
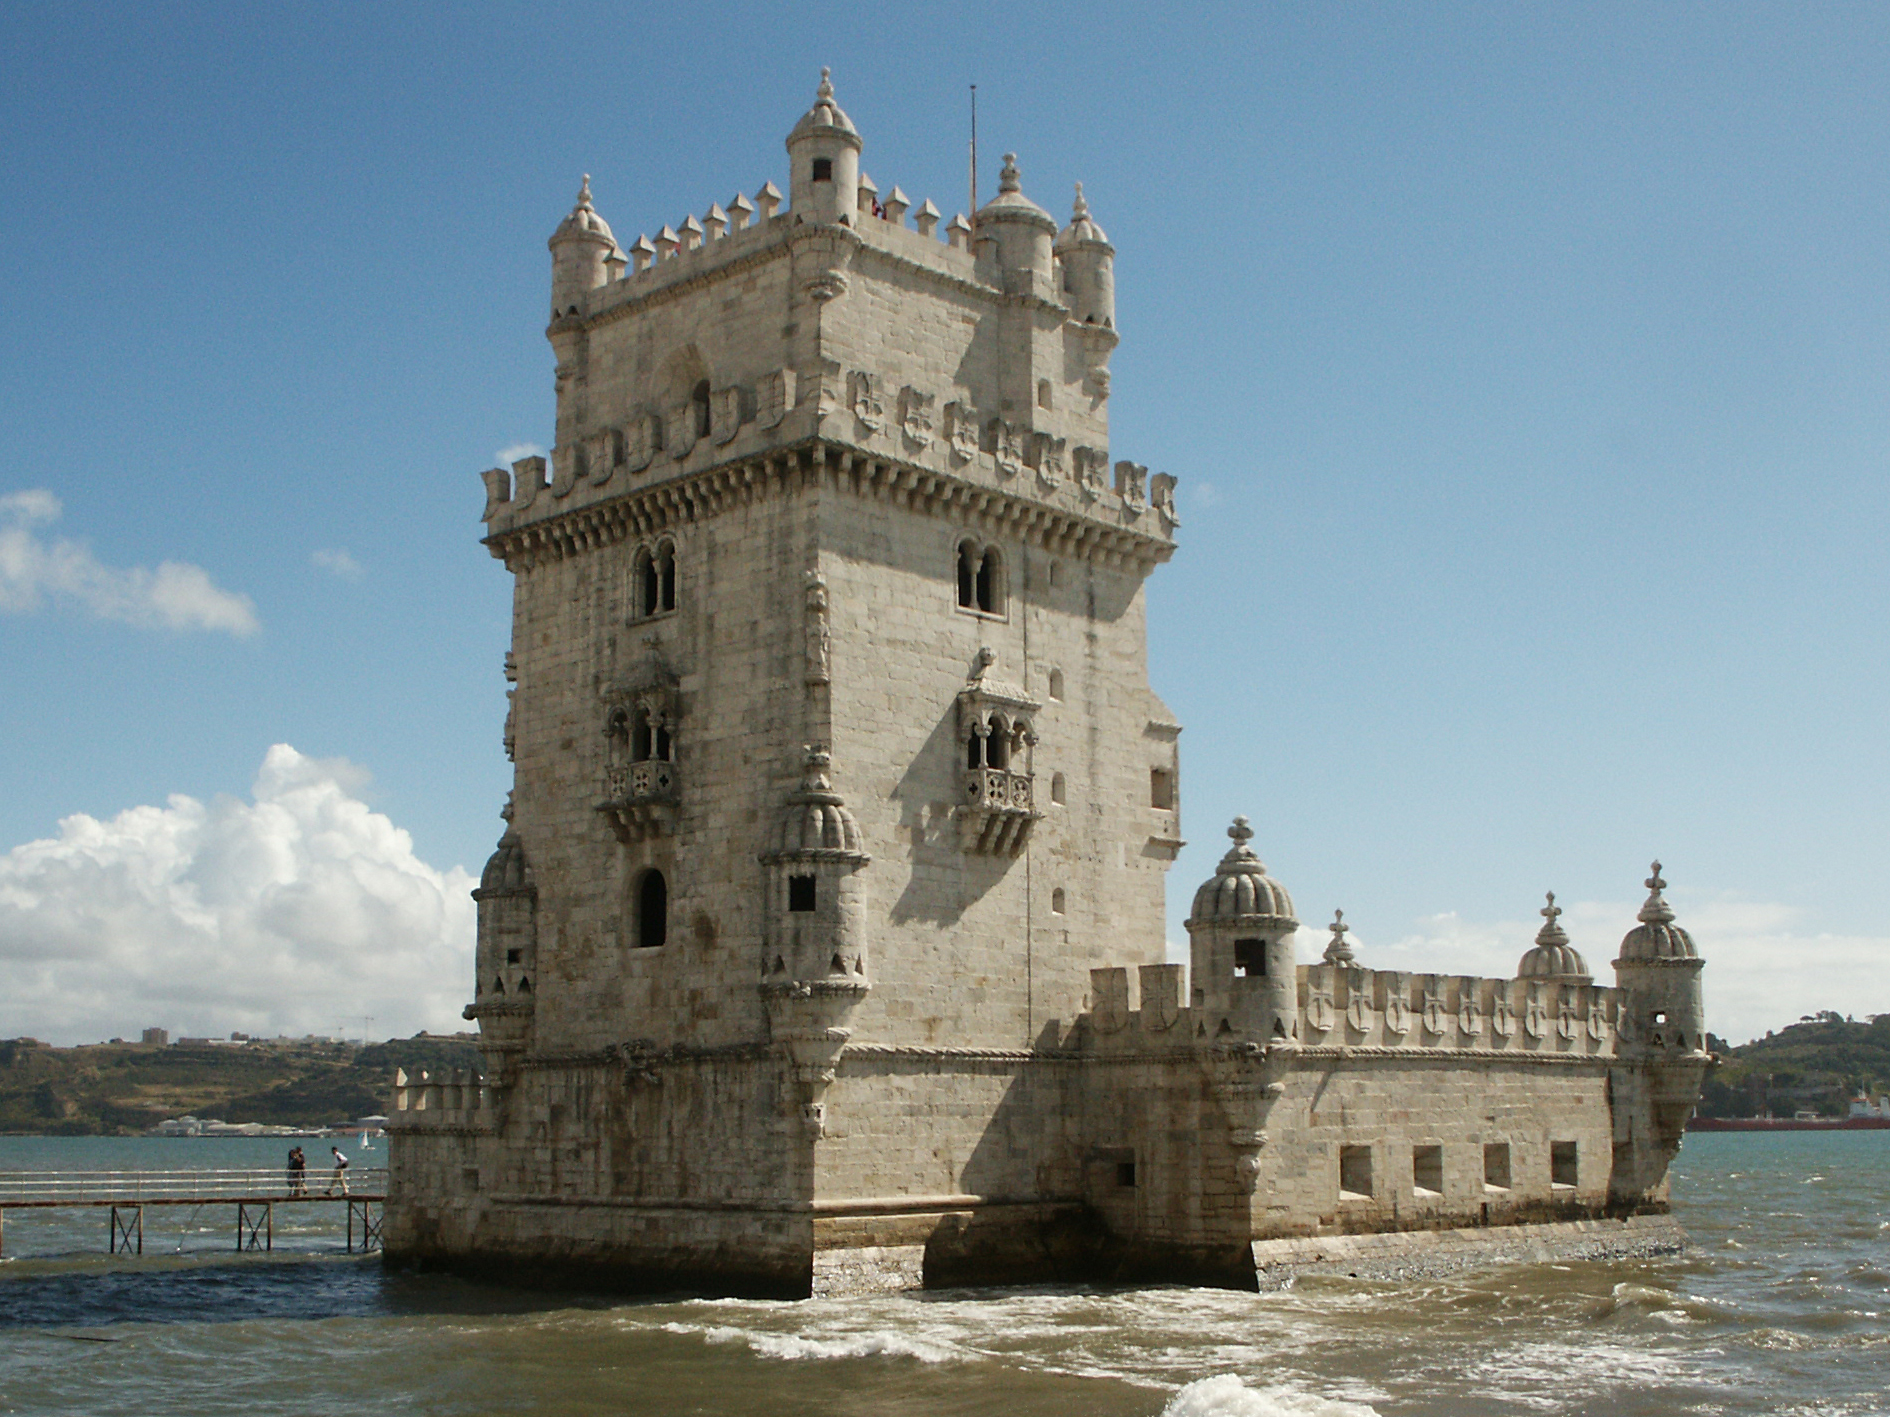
1125,1174
990,591
666,576
1057,900
1057,788
967,577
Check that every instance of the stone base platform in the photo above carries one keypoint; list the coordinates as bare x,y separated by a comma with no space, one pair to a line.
1432,1254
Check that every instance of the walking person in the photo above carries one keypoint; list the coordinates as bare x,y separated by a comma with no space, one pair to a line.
298,1172
340,1180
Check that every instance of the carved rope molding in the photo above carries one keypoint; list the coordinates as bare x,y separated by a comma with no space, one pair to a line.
832,463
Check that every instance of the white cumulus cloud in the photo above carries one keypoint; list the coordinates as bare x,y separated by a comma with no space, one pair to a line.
175,596
337,561
292,913
512,452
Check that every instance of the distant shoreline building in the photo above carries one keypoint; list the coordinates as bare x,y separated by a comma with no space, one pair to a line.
823,949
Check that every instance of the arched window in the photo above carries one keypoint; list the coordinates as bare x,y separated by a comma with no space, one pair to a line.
990,582
997,746
652,911
641,741
666,576
643,584
1056,788
967,575
1056,684
1056,901
699,399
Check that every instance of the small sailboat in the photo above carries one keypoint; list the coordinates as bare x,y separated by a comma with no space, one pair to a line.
365,1144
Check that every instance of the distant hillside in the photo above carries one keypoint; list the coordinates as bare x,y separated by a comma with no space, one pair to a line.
1818,1064
115,1089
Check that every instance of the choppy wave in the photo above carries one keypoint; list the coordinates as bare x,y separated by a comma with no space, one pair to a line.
1227,1396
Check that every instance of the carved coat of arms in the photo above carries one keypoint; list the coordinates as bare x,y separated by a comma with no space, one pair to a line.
1090,463
679,426
1535,1017
962,429
1597,1021
1007,442
642,436
1050,460
725,415
863,393
1502,1018
1397,1015
776,397
915,416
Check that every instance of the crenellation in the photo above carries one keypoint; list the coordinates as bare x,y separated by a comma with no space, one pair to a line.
824,940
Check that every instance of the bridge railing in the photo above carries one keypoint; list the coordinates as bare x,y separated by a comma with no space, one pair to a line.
134,1187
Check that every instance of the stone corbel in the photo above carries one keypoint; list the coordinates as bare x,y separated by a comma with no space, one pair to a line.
808,1021
1245,1081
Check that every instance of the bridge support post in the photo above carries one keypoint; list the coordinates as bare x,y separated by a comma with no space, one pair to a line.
253,1224
370,1225
127,1230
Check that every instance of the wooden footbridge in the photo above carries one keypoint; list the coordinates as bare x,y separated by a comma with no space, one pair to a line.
254,1194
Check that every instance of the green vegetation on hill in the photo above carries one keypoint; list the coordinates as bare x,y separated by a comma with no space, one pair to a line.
121,1088
1817,1064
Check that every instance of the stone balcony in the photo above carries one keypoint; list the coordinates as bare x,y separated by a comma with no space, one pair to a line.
641,799
998,811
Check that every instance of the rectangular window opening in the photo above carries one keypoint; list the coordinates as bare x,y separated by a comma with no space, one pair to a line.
1250,959
1563,1168
1125,1173
1161,788
1496,1166
823,169
801,893
1355,1173
1427,1171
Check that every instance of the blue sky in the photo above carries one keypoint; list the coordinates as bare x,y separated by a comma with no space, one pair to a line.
1524,367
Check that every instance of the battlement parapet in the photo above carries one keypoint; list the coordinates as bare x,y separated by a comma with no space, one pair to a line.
1347,1008
451,1101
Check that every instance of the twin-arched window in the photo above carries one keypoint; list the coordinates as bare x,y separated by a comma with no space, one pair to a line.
653,580
980,578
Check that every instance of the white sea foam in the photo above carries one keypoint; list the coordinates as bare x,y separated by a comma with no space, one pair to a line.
1227,1396
793,1347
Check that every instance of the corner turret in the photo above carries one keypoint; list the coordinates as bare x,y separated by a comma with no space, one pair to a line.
1240,931
1016,234
1659,972
1088,263
824,161
582,251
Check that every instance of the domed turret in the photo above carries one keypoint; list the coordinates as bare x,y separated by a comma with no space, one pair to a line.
1553,956
507,872
824,160
1019,234
1240,890
1657,937
1088,260
505,959
816,904
1241,945
1659,974
581,251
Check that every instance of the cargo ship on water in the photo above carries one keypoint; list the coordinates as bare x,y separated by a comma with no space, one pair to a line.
1866,1115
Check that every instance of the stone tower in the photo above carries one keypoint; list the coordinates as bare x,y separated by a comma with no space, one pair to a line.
842,809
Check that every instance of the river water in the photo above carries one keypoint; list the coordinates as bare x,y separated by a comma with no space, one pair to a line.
1781,1306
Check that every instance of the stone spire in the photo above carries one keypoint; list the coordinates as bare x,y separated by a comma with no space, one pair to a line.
1338,949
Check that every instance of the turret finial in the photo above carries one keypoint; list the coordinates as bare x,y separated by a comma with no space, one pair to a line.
824,93
1008,178
1656,911
584,193
1339,949
1552,932
1240,832
1081,209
